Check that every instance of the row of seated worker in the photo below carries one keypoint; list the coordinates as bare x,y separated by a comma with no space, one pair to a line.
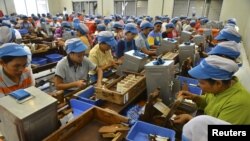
107,53
87,27
225,100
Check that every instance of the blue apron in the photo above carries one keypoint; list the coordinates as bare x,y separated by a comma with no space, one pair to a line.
146,41
126,46
157,41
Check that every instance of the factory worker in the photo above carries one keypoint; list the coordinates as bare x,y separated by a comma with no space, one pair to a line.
224,96
118,28
55,23
128,43
141,41
178,26
106,22
72,71
14,74
228,34
190,27
176,32
165,21
67,32
138,23
99,28
82,31
8,35
227,49
233,21
154,37
168,33
100,54
26,24
197,128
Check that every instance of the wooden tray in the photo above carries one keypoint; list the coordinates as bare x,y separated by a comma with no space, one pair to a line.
86,126
110,94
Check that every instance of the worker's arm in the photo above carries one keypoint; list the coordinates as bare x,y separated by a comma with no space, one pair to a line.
99,76
199,100
151,42
60,85
148,52
140,44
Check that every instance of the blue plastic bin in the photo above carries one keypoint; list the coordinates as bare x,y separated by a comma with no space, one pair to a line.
188,80
192,84
79,107
54,57
140,131
86,94
195,90
39,61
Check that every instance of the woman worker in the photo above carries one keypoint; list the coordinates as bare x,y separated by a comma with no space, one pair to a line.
14,74
128,43
72,71
225,98
101,53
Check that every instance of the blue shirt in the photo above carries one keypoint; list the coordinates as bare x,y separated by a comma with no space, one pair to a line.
124,46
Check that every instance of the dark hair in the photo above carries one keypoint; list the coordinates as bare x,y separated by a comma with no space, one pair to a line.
225,56
212,81
7,59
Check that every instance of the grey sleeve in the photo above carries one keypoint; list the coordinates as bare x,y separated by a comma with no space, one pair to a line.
140,43
60,71
92,66
1,95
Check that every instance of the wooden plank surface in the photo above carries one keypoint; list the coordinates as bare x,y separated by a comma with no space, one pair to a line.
118,108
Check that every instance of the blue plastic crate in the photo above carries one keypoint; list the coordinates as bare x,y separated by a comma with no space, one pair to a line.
192,84
188,80
39,61
54,57
86,94
195,90
93,78
79,107
141,130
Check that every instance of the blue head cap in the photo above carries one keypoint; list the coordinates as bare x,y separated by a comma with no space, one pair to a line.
12,49
75,45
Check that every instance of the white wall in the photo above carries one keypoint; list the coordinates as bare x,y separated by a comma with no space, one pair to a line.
238,9
246,40
155,7
10,6
168,7
54,6
2,6
105,7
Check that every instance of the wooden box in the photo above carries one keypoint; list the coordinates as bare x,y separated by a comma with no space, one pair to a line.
111,94
86,126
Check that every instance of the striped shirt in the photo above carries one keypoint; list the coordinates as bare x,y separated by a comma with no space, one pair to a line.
7,85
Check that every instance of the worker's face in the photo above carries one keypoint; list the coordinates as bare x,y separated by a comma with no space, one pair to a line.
77,57
130,36
169,29
147,30
104,47
210,88
78,34
16,66
157,27
118,30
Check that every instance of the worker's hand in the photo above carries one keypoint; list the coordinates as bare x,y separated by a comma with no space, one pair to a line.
80,83
60,42
99,84
186,95
112,64
182,119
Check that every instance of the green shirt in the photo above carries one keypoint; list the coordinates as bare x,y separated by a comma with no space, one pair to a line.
231,105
